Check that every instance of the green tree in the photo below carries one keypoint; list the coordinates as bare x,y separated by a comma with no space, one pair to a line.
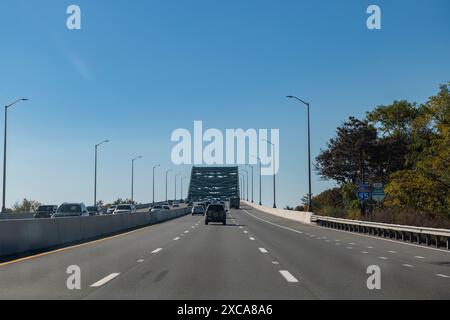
26,206
348,156
124,201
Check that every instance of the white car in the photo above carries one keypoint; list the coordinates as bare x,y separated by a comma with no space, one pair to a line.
157,208
111,209
198,210
71,210
125,208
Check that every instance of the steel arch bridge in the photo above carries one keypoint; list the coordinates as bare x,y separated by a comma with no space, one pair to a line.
215,182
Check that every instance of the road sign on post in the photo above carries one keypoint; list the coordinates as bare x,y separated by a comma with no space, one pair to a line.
378,194
363,193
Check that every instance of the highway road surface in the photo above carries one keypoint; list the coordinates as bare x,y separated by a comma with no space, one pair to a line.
256,256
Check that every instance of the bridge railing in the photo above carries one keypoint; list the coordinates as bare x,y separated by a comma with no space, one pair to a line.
419,235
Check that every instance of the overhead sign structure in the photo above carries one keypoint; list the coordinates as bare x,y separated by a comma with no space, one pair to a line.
378,194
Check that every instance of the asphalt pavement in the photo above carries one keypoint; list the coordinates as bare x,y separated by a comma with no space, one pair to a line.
256,256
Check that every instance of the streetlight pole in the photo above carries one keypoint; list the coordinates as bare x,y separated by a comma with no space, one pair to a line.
4,151
176,176
274,173
310,204
167,172
252,180
95,171
153,188
246,174
260,180
243,186
132,177
240,187
182,179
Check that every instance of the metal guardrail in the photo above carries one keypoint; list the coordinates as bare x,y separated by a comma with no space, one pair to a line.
419,235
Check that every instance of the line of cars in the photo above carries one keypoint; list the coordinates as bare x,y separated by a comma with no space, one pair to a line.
80,210
213,210
169,205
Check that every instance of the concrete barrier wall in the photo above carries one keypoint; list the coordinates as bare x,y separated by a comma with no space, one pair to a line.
8,216
299,216
21,236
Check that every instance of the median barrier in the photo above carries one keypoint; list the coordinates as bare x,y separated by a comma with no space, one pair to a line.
25,235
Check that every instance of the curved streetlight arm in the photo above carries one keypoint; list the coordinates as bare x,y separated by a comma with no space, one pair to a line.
11,104
103,142
268,142
297,98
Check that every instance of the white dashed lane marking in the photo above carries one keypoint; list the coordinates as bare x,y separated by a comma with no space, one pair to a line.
419,257
157,250
176,239
288,276
105,280
407,265
263,250
251,238
140,261
442,275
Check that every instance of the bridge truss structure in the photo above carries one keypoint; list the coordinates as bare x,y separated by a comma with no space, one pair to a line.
215,183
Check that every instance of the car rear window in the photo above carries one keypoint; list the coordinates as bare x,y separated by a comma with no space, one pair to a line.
72,208
123,207
45,208
215,208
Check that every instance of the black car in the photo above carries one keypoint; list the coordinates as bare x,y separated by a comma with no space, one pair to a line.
95,210
45,211
216,213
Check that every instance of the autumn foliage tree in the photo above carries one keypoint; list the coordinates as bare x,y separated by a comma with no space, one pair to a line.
403,145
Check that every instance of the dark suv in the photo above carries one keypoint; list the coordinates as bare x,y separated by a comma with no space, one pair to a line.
45,211
95,210
216,213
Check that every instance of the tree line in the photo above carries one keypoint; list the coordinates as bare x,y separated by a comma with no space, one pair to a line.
405,146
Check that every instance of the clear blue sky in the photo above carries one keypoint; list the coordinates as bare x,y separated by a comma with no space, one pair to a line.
140,69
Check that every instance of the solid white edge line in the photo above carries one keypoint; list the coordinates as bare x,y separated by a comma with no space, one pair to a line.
288,276
356,234
105,280
274,224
